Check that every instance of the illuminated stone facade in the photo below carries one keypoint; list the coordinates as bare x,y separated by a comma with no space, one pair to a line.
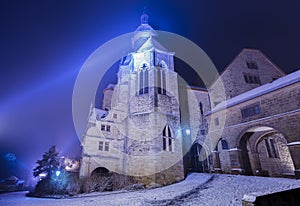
259,135
140,134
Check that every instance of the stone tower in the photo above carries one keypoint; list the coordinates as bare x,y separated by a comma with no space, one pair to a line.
140,135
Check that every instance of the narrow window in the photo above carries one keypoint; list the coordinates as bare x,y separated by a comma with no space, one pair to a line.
115,116
100,147
108,128
217,121
170,144
146,81
163,82
167,139
164,144
224,144
268,148
102,127
250,79
201,108
143,79
106,148
246,78
274,148
159,86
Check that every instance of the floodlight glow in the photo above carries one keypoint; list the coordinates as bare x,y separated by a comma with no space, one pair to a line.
187,131
42,175
57,173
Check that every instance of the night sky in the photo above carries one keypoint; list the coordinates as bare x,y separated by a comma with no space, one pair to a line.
43,45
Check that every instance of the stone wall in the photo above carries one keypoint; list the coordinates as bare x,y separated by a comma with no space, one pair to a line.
233,76
279,111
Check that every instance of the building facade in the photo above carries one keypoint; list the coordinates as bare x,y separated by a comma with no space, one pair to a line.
139,133
146,131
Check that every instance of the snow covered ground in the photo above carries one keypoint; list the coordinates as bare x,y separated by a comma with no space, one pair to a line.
197,189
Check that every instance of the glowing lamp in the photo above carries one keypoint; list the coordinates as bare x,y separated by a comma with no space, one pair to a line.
57,173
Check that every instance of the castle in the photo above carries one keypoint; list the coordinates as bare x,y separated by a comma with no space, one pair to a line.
139,131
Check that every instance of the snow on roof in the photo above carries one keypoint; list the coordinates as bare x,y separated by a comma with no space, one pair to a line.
151,43
110,86
259,91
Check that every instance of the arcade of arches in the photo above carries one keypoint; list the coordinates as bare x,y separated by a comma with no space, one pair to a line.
261,151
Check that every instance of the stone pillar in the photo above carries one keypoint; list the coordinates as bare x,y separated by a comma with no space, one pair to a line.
294,148
216,162
236,161
254,159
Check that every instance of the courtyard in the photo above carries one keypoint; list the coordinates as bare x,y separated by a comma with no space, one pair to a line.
196,189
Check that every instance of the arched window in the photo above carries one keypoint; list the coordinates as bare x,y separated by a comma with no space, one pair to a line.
143,79
161,81
167,139
163,64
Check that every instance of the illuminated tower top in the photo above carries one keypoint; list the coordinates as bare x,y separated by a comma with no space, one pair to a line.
142,33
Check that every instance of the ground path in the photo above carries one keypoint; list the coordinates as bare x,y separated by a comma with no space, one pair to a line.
197,189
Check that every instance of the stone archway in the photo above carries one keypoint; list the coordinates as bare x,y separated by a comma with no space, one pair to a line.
100,172
264,151
199,158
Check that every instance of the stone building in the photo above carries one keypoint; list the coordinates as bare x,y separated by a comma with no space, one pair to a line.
145,130
139,133
256,130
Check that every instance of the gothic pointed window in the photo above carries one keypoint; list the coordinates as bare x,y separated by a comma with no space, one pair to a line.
167,139
161,81
143,79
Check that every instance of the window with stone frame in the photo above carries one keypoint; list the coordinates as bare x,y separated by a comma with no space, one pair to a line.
100,146
224,144
103,146
160,78
251,64
106,146
271,147
143,79
250,111
105,127
252,79
167,139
